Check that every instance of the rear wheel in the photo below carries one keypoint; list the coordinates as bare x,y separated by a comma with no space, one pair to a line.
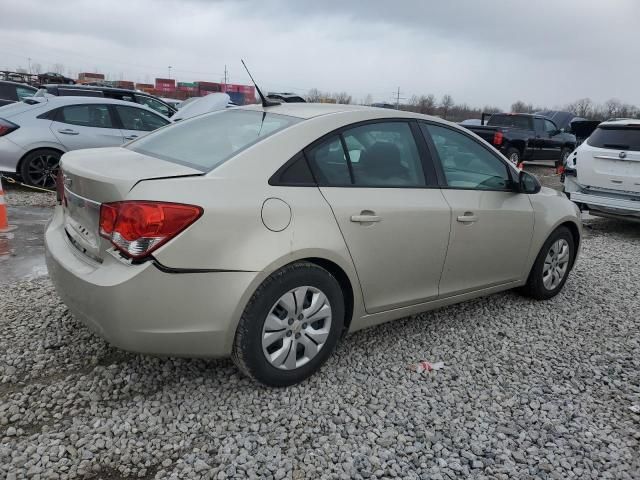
514,155
552,266
40,168
290,326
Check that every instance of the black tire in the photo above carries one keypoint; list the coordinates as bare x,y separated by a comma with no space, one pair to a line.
535,287
40,167
513,155
248,352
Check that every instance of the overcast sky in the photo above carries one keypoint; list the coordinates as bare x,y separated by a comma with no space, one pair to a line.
489,52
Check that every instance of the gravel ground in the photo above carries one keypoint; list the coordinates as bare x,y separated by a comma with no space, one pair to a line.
21,196
529,390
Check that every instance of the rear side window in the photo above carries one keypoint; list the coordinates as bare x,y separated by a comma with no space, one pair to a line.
384,154
330,163
86,116
204,142
139,119
625,137
515,121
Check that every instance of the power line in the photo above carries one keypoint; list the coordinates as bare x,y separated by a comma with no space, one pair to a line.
398,98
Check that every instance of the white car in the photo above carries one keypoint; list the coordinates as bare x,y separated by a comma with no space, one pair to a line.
35,134
603,174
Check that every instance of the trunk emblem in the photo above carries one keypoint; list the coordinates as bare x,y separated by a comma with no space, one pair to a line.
623,155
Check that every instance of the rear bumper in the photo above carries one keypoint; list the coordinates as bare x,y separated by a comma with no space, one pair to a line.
609,203
142,309
10,155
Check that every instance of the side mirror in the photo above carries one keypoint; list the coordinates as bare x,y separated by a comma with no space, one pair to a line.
528,183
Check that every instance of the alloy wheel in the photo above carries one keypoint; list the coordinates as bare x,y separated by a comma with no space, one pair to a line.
296,328
42,170
556,264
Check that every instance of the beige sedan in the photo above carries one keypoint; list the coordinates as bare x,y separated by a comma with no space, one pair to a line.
267,233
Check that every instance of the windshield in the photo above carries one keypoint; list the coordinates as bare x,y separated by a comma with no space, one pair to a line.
619,137
516,121
205,142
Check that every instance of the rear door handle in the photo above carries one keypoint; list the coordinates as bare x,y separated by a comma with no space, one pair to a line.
365,218
468,218
131,137
68,131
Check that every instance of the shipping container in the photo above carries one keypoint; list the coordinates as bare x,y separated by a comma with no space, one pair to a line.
236,97
141,86
87,76
124,84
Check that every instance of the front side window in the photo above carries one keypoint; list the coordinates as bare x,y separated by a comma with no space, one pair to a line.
139,119
384,154
550,127
154,104
466,163
539,124
206,141
86,116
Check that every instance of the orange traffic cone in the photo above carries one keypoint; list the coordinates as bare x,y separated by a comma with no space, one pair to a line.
4,221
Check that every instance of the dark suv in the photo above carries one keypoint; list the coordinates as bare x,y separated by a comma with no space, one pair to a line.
110,92
11,92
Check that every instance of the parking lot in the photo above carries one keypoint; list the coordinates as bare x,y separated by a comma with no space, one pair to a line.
529,389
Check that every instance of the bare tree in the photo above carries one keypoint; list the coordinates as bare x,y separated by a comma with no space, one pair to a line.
427,104
342,97
521,107
581,108
58,68
36,68
445,105
314,95
368,100
612,107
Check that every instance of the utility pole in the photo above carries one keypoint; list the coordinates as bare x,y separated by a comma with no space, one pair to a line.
29,65
398,98
225,78
169,72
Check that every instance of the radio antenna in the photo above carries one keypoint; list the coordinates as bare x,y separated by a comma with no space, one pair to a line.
265,102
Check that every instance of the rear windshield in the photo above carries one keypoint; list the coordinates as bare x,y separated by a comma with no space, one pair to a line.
617,138
516,121
204,142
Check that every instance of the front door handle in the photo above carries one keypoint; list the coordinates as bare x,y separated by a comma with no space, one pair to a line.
68,131
365,218
468,217
131,137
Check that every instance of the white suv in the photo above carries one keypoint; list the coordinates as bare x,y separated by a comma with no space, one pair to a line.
603,174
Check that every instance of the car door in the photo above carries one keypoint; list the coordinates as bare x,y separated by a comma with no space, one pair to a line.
491,225
87,125
395,226
553,140
538,142
137,122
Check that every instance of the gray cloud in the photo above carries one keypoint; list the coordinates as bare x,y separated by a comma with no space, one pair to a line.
489,52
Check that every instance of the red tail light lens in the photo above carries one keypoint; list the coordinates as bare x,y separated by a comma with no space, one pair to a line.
137,228
7,127
497,139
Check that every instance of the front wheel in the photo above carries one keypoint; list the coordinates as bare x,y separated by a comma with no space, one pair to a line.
290,326
552,266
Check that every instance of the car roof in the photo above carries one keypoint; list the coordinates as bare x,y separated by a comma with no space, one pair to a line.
622,121
311,110
19,84
94,87
73,100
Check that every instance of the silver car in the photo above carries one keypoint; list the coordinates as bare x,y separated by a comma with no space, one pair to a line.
267,233
35,134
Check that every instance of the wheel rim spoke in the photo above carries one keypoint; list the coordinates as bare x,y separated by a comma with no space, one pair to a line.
296,328
556,264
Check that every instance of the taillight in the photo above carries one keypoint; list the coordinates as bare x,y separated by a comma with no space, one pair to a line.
7,127
138,227
498,138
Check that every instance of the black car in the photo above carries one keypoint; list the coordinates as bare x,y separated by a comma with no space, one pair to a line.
11,92
522,136
110,92
52,77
